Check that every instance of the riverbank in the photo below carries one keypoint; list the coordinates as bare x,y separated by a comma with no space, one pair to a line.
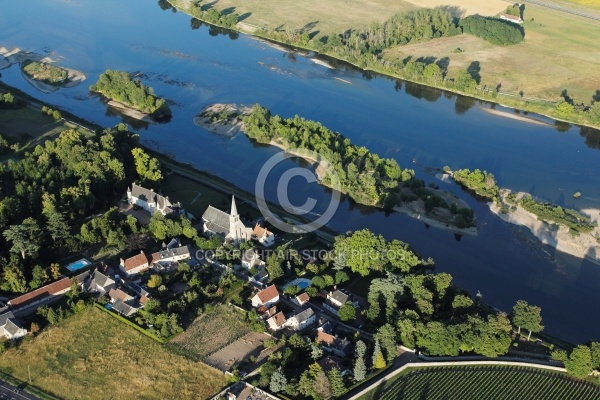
581,245
226,120
18,56
130,112
543,103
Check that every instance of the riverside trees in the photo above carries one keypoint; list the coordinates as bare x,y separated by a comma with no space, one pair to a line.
528,317
118,86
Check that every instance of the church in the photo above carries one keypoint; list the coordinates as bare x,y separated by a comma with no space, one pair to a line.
228,226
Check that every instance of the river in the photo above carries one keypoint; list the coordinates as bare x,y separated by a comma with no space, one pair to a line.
193,65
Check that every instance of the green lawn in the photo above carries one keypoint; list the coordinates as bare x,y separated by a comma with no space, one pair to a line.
92,355
483,382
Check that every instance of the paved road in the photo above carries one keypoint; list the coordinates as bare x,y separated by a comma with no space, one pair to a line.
10,392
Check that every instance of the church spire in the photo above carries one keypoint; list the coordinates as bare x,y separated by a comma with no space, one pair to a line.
234,212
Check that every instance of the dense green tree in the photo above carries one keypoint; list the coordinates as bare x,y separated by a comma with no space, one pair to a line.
13,279
386,337
147,167
347,312
564,110
595,349
360,369
39,277
119,86
494,30
25,238
580,362
528,317
461,301
278,381
336,381
341,277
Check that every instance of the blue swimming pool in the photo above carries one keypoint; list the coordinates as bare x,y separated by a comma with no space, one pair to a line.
74,266
302,283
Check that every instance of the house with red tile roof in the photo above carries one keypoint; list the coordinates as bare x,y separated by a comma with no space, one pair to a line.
277,321
134,265
266,297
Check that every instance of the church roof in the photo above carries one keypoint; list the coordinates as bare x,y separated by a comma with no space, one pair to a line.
216,221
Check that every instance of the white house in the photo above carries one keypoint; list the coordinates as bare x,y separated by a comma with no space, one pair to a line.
250,259
10,328
302,319
170,255
277,322
337,299
266,297
228,226
151,201
134,265
263,235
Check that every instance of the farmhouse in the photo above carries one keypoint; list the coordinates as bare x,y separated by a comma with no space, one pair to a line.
134,265
29,302
277,321
10,328
302,319
266,297
227,226
511,18
263,235
151,201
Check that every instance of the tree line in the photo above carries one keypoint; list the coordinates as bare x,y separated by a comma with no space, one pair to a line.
119,86
494,30
364,176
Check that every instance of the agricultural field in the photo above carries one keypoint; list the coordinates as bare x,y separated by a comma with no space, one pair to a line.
559,52
234,353
211,332
92,355
484,382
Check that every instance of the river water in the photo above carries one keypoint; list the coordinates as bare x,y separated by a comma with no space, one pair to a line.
193,65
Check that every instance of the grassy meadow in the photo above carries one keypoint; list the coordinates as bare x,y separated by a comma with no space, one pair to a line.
94,356
560,51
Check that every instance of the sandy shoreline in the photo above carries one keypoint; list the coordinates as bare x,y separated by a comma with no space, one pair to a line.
233,126
17,56
583,246
131,112
514,116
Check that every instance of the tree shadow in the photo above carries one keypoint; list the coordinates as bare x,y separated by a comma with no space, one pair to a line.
463,104
312,35
596,96
455,11
227,11
474,70
164,5
426,60
565,95
208,6
244,16
591,136
309,26
443,63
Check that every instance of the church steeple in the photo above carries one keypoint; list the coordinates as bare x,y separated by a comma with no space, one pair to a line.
234,212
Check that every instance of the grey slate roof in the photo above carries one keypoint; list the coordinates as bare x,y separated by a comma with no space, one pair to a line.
261,275
174,243
149,196
11,327
123,308
4,317
101,280
304,315
177,251
339,297
216,221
